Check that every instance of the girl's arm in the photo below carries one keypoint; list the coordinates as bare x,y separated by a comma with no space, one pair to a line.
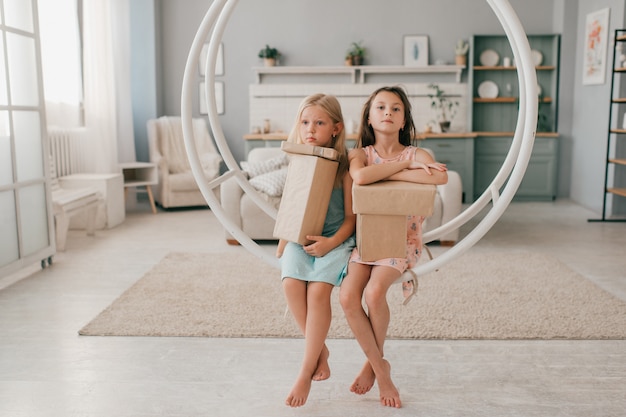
424,170
322,245
362,173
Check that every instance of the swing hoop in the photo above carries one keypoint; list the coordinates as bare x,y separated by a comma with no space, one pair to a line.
511,172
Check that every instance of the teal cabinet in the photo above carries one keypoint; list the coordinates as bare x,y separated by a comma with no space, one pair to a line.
493,79
540,179
458,155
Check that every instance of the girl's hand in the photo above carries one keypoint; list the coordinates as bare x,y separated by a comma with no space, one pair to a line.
427,167
321,246
281,247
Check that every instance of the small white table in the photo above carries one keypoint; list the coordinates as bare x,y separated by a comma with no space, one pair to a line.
140,174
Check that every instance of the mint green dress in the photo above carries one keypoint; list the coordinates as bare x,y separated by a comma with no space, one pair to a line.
330,268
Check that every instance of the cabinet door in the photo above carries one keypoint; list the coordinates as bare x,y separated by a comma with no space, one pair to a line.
539,182
458,155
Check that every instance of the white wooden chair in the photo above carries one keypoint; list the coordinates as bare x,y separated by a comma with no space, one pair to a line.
69,202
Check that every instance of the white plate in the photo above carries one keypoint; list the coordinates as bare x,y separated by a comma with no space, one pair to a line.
489,58
537,57
488,89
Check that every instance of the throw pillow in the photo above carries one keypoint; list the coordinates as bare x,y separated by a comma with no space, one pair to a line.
263,167
270,183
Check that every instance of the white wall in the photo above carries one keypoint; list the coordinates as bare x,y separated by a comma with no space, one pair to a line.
591,114
318,32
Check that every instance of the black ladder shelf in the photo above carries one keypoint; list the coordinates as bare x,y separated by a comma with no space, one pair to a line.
615,150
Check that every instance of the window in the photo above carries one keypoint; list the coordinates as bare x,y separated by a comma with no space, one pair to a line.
61,61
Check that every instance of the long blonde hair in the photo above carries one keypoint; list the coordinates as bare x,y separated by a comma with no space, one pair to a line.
331,106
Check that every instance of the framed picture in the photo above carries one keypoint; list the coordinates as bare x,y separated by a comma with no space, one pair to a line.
219,98
219,62
596,44
416,50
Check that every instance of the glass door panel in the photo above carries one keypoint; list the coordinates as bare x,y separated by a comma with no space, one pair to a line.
4,99
6,161
34,218
9,250
28,145
22,70
18,14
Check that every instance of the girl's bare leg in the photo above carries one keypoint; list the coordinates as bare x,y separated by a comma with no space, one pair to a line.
317,319
296,294
370,331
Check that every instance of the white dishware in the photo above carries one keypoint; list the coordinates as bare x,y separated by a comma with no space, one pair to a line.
488,89
489,58
537,57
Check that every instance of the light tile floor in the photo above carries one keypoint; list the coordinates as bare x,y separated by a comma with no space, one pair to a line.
46,369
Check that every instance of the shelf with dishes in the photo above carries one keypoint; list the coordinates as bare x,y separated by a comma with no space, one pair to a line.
358,73
493,78
513,68
507,100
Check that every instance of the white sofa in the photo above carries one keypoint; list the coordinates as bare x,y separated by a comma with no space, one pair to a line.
177,186
259,226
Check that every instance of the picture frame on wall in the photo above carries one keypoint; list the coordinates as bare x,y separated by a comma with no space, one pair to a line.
596,47
416,50
219,62
219,98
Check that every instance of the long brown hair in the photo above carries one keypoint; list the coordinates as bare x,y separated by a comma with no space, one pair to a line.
331,106
366,135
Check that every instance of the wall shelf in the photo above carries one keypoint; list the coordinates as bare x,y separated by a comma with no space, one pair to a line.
507,100
511,68
358,73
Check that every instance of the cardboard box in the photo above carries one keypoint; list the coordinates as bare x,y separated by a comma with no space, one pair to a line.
303,149
382,210
394,197
309,185
380,236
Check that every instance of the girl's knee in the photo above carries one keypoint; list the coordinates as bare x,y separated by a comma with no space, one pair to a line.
375,295
349,300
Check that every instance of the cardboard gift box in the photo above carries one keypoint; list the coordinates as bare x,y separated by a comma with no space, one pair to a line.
382,210
309,185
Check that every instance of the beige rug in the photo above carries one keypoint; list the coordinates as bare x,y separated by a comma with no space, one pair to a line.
478,296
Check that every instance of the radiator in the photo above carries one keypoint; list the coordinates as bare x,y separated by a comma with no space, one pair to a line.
68,148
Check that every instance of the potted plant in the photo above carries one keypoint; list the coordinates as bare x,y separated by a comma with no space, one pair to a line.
460,50
356,54
269,55
445,106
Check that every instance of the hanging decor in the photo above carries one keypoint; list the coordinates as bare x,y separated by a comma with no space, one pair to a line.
596,43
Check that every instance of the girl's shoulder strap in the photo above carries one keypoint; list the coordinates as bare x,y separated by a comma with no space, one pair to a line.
411,151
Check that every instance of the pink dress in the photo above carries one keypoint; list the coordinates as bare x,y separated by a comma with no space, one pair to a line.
413,223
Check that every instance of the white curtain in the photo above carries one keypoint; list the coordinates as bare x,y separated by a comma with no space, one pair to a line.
106,69
60,56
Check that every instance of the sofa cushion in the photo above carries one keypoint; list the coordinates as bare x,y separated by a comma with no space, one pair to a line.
254,169
270,183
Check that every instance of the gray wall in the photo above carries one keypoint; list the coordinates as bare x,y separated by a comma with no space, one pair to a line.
318,32
591,115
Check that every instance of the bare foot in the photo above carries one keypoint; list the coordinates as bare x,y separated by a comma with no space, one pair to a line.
322,372
299,392
389,395
364,380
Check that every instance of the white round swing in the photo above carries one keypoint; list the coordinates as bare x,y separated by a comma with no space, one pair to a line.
511,172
